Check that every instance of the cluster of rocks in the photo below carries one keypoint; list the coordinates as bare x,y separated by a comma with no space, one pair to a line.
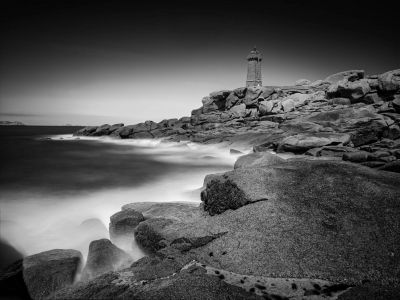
347,113
271,228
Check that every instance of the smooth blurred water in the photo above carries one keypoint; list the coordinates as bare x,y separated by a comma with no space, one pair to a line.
51,182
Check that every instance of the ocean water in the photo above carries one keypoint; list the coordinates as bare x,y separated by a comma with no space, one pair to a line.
59,191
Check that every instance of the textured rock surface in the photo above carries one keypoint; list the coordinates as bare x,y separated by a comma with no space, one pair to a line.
103,257
49,271
124,222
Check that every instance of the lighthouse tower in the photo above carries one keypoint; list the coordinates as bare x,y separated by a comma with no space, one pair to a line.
254,68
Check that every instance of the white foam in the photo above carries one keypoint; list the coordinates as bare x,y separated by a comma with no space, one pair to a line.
35,223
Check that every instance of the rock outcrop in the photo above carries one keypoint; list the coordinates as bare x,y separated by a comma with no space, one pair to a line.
348,109
49,271
124,222
104,257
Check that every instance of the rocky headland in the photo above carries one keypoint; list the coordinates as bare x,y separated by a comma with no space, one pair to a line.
310,213
347,116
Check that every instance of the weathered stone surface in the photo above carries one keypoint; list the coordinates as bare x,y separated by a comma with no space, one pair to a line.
239,110
231,100
124,222
389,81
49,271
153,278
354,90
104,257
288,105
350,75
323,201
300,143
114,127
240,92
102,130
252,94
258,159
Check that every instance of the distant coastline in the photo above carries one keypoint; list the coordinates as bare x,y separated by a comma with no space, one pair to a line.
11,123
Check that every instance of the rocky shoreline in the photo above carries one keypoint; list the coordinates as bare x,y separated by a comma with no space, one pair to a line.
347,116
320,223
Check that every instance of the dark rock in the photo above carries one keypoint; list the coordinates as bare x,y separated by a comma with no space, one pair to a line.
231,100
147,233
86,131
372,98
124,222
359,156
103,257
102,130
115,127
234,151
49,271
12,285
239,111
393,166
240,92
151,278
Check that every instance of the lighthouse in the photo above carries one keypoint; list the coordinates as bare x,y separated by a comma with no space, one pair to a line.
254,68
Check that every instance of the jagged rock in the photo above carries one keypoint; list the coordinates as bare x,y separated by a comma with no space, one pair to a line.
240,92
101,130
389,82
124,222
354,90
372,98
231,100
252,95
115,127
267,92
258,159
49,271
300,143
209,105
302,82
104,257
86,131
351,75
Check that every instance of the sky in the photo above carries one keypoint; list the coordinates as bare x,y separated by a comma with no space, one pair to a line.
94,62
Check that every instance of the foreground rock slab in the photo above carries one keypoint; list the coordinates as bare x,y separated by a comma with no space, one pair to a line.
49,271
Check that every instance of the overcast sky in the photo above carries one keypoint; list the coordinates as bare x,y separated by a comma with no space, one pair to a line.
92,62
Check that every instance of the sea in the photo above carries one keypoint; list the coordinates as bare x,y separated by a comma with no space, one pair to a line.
58,191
